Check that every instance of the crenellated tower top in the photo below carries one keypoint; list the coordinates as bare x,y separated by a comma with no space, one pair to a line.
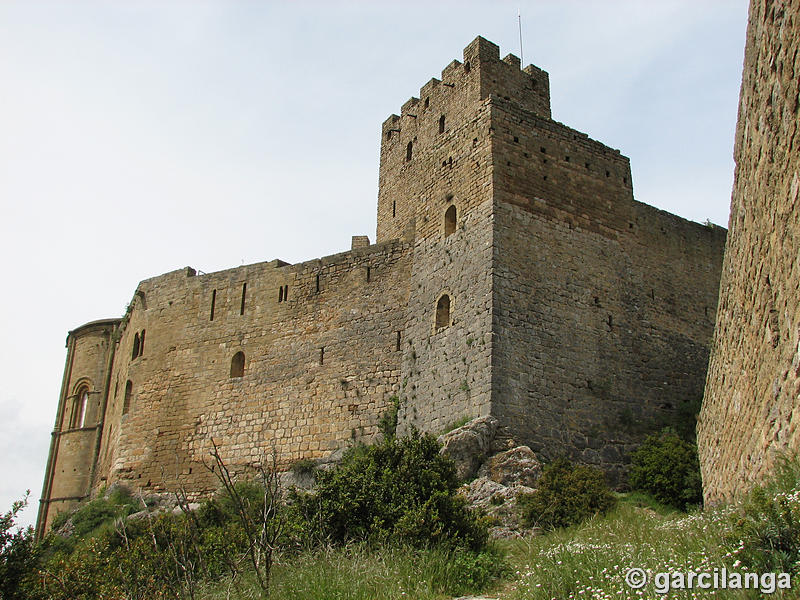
440,140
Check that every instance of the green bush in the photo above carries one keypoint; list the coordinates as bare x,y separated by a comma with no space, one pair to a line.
567,495
157,555
766,530
400,489
304,466
220,509
387,424
667,467
17,556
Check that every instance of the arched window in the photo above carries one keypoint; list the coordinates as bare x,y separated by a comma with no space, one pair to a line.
409,151
443,312
450,220
141,343
237,365
126,404
135,351
79,407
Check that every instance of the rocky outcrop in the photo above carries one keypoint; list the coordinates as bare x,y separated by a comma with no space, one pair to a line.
517,466
469,445
501,479
499,503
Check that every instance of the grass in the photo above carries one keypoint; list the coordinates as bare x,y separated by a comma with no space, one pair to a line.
588,561
591,560
359,572
461,421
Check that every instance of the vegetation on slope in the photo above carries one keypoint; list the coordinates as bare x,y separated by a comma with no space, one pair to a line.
201,555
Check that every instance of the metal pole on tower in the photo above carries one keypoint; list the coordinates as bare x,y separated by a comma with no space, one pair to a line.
519,20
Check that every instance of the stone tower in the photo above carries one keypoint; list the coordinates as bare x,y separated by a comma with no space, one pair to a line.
513,275
578,316
76,435
751,397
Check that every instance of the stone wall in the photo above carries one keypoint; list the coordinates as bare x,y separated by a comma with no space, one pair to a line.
603,306
446,368
750,410
320,365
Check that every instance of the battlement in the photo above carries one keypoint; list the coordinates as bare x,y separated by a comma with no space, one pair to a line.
482,73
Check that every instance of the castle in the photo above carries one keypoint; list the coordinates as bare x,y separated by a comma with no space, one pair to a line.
513,274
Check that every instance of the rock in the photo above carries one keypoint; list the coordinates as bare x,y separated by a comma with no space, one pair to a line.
469,444
518,466
289,480
499,503
192,506
330,461
159,500
501,480
479,492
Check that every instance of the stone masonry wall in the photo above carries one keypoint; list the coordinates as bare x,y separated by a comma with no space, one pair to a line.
73,443
750,411
321,364
603,307
446,370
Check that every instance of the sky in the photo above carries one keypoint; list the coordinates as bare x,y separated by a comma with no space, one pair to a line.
140,137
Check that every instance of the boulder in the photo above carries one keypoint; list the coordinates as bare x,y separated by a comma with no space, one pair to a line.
517,466
469,445
499,503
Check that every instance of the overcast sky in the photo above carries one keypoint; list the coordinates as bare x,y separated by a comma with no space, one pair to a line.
141,137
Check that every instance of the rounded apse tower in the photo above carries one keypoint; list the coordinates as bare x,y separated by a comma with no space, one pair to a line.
76,435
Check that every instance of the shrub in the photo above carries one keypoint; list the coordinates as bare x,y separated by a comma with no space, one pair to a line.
17,557
400,489
387,424
667,467
767,528
304,466
567,495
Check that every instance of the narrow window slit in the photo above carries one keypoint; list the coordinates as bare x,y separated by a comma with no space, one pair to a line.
244,296
135,351
443,312
126,403
213,303
450,220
